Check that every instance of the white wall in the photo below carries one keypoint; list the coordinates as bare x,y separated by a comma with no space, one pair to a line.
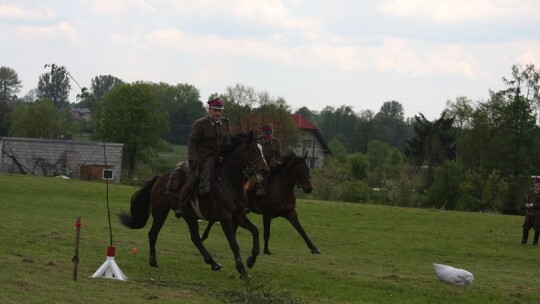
35,154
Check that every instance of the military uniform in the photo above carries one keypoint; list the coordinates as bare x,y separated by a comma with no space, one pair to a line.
532,218
205,143
207,138
271,148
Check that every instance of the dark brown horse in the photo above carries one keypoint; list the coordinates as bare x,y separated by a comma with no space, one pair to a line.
281,201
223,204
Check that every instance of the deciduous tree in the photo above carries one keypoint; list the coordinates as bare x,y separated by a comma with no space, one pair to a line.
130,114
102,84
55,85
433,144
183,105
10,84
36,120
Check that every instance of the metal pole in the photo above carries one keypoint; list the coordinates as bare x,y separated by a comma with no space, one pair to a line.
76,256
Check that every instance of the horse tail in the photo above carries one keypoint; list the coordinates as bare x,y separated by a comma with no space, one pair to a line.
140,207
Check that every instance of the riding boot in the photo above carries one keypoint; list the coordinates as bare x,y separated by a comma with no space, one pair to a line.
188,188
525,236
187,192
261,187
536,235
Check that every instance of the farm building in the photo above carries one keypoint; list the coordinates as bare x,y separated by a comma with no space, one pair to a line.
311,142
51,157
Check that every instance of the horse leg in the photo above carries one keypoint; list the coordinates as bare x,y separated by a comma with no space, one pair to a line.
245,223
207,230
267,220
193,226
157,224
293,219
228,229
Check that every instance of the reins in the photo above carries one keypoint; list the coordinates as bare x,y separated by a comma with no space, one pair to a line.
247,170
291,177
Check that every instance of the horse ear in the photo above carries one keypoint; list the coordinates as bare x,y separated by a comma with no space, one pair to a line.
305,155
250,134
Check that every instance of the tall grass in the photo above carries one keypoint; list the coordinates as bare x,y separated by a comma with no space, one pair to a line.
370,253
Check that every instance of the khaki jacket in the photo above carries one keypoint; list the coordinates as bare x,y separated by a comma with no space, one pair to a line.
208,138
271,150
534,198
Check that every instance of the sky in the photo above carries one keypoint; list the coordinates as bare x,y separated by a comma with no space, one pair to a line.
312,53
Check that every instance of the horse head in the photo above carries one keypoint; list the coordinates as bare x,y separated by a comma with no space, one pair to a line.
297,170
247,153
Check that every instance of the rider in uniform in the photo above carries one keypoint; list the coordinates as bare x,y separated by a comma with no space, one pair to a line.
532,217
208,136
271,148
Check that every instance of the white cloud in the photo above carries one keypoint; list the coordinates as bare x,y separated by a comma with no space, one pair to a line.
403,57
460,10
269,12
264,50
530,57
63,30
252,13
398,56
519,52
119,6
19,13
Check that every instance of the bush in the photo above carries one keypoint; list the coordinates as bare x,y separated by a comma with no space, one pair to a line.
354,191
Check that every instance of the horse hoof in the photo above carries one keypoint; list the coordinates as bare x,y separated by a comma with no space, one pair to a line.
315,251
216,267
245,276
267,252
153,264
251,261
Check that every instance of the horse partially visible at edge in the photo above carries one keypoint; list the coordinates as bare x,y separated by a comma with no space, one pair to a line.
225,202
280,200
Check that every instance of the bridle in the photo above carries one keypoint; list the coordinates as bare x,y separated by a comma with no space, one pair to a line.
251,168
293,178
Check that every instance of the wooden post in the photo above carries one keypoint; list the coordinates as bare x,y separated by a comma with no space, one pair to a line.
76,256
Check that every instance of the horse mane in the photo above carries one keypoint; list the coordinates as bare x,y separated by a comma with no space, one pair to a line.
236,139
284,162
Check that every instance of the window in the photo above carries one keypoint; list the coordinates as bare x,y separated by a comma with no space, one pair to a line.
107,174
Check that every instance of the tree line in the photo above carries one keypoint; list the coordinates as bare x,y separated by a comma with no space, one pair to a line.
478,155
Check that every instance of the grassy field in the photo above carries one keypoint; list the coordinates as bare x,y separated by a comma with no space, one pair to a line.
168,158
370,253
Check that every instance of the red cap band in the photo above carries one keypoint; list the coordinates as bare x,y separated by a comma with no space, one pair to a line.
216,104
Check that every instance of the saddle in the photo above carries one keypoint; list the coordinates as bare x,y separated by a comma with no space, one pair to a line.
177,178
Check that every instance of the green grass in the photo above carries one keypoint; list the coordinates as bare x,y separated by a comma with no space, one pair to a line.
167,159
370,253
176,154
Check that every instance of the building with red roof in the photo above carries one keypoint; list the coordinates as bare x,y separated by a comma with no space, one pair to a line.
311,142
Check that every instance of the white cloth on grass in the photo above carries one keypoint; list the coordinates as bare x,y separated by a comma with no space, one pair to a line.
453,275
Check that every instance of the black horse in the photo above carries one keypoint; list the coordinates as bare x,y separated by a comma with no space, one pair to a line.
281,201
223,204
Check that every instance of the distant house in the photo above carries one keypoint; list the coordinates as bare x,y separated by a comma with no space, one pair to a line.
81,113
311,141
